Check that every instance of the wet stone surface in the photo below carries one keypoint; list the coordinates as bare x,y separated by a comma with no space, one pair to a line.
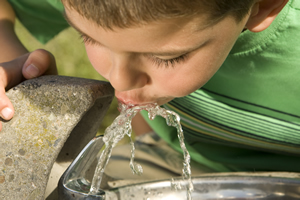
47,110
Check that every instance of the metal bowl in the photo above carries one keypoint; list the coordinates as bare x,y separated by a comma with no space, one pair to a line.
239,187
213,187
75,184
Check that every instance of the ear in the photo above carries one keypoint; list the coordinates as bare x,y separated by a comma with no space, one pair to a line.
263,13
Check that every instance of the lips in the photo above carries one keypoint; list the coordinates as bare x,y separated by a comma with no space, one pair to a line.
130,98
130,101
124,98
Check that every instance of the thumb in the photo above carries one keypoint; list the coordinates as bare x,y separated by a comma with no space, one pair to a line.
39,62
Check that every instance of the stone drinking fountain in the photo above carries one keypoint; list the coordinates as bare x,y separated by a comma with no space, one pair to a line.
55,117
49,150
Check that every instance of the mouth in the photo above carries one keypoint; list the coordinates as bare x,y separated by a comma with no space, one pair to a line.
131,101
124,106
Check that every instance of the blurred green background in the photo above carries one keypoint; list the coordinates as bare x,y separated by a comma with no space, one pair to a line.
71,60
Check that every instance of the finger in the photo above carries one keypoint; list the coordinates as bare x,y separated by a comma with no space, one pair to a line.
10,72
39,62
6,107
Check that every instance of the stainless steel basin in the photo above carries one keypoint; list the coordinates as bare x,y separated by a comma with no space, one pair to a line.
75,184
214,187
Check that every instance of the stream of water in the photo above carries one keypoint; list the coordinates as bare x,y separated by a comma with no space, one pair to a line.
121,126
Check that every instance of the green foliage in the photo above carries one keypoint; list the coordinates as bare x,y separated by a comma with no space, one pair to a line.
71,60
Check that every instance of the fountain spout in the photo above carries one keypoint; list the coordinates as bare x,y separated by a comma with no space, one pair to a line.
75,182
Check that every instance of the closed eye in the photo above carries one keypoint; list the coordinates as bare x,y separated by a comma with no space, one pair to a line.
87,40
169,62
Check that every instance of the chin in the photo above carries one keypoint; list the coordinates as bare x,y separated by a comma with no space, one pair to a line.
164,101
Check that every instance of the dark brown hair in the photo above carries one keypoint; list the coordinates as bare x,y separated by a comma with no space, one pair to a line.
126,13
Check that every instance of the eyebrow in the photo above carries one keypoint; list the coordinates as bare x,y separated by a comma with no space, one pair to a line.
168,53
76,28
69,21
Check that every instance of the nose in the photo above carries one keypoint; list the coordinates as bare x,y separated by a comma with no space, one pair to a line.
127,74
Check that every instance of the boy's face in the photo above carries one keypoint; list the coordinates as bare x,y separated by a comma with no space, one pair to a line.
158,61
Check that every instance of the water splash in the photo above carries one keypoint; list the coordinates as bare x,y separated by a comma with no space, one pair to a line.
121,126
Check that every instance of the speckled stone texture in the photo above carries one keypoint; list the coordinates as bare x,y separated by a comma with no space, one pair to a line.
47,110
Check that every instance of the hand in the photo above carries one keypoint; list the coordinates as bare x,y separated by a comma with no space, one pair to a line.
27,66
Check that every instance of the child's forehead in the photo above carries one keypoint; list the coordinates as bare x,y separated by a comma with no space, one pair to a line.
194,23
126,13
171,35
126,16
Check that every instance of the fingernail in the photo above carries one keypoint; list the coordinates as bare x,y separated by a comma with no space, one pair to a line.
6,113
32,70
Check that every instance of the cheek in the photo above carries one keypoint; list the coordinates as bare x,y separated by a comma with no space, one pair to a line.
188,77
99,58
179,83
201,68
192,75
185,85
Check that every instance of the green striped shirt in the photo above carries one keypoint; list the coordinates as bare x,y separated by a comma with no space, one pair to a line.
247,117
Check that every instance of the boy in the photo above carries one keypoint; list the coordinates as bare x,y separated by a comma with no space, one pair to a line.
245,117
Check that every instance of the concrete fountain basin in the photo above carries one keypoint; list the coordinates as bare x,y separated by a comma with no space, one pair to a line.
55,117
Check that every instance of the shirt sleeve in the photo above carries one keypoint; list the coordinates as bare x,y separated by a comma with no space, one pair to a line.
43,19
